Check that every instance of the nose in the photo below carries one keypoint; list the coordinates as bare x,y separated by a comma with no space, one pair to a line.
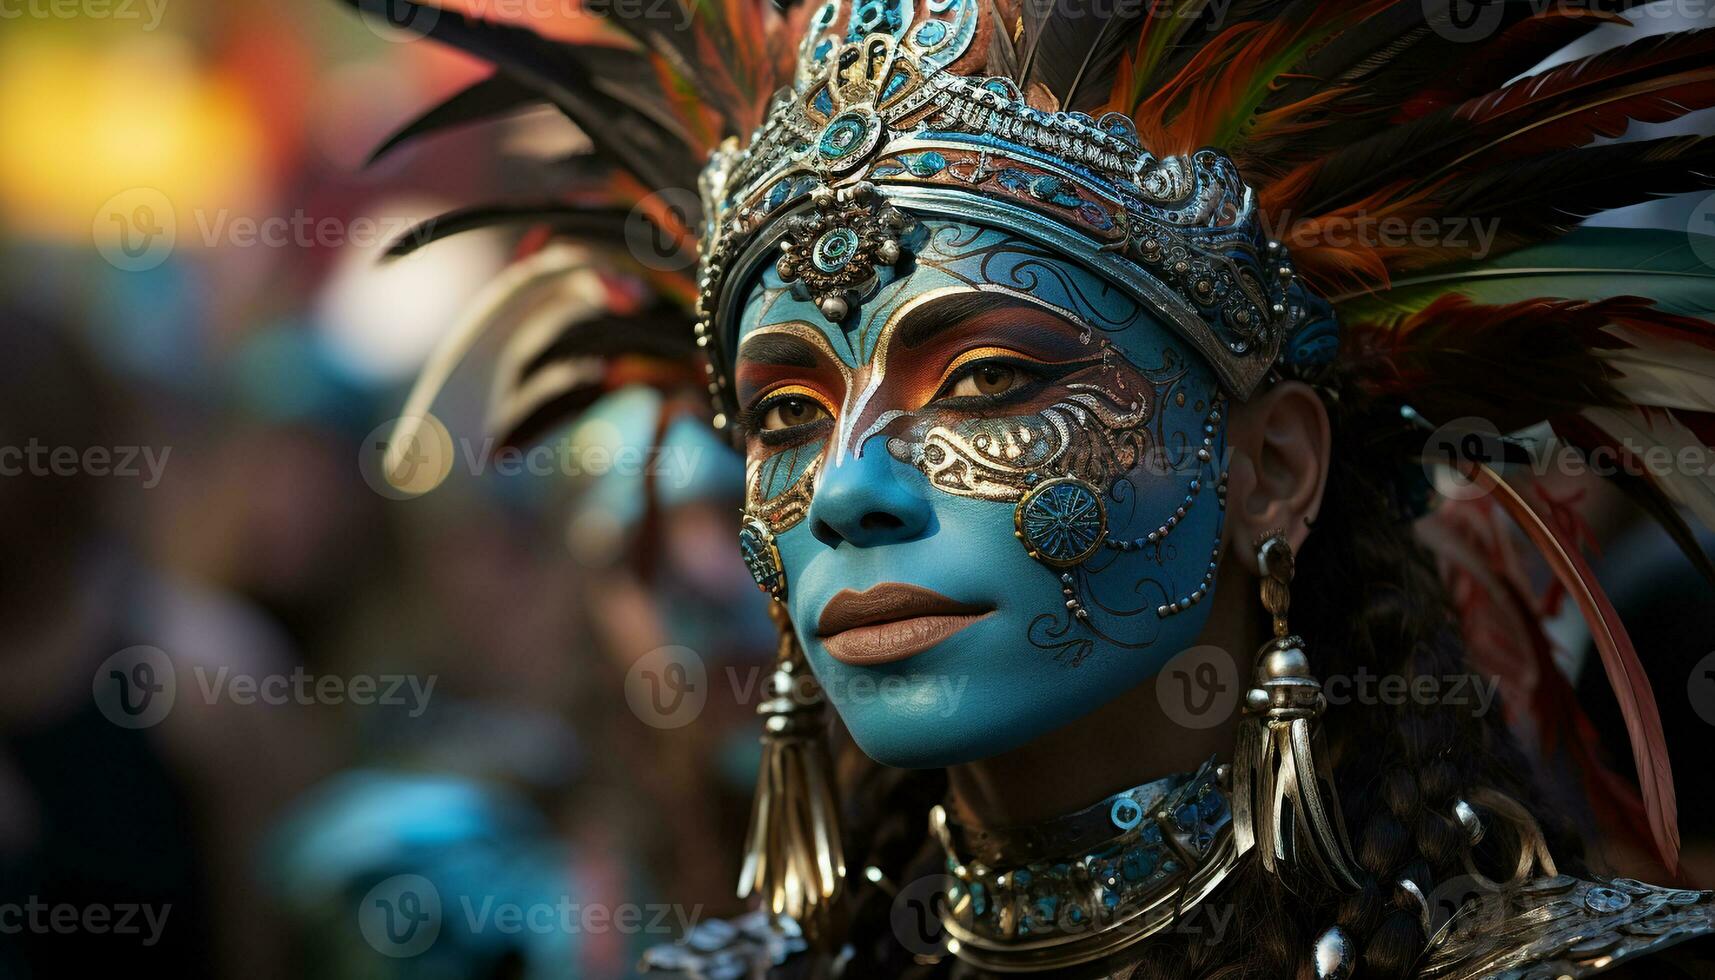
869,500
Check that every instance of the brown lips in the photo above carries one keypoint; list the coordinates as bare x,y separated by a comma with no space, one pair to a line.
890,622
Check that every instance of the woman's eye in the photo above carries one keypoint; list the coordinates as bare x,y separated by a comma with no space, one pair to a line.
992,378
788,412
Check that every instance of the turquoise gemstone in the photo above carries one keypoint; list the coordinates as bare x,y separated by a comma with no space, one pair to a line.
834,250
931,34
927,164
1138,864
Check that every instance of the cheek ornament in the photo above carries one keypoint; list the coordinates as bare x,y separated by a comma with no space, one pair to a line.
762,556
1062,523
1205,463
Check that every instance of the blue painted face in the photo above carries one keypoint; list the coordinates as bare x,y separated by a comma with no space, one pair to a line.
1027,454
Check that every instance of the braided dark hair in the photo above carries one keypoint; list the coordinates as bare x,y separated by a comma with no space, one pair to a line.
1367,598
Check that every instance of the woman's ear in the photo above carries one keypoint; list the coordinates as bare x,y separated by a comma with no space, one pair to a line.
1279,442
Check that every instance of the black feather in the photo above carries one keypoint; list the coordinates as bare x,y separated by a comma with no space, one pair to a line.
532,402
1644,492
1397,57
630,138
662,331
1351,172
1545,197
1439,143
494,96
603,224
1093,79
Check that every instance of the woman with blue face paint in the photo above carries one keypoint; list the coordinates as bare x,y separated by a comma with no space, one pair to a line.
1094,370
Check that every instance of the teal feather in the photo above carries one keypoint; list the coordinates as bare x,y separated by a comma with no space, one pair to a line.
1671,267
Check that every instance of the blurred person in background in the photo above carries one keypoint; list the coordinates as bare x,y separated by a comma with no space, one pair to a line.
654,541
537,597
145,797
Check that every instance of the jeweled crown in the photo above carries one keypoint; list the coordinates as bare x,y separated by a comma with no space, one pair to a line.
881,123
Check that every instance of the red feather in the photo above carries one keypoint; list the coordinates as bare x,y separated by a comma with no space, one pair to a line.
1656,79
1496,62
1502,622
1625,673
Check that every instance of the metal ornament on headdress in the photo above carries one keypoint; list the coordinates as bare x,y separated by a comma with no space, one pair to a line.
835,251
875,123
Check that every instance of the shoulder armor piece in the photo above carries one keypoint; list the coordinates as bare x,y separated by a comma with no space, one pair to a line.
1560,927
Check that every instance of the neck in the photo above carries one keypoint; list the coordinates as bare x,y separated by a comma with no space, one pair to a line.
1128,741
1122,744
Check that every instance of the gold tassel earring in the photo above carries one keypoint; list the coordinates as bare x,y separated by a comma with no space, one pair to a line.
1287,808
793,857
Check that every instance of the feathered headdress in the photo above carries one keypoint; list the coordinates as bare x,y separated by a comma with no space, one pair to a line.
1257,171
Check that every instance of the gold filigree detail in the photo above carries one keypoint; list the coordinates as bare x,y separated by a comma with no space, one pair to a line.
1097,433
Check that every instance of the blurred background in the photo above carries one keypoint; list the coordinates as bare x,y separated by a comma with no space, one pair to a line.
308,692
259,715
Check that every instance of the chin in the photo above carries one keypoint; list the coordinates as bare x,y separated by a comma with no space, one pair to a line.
920,746
939,737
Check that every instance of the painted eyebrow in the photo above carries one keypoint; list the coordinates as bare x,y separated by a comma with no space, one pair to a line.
780,350
938,316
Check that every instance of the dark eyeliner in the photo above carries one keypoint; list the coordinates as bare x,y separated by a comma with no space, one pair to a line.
1037,376
751,420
